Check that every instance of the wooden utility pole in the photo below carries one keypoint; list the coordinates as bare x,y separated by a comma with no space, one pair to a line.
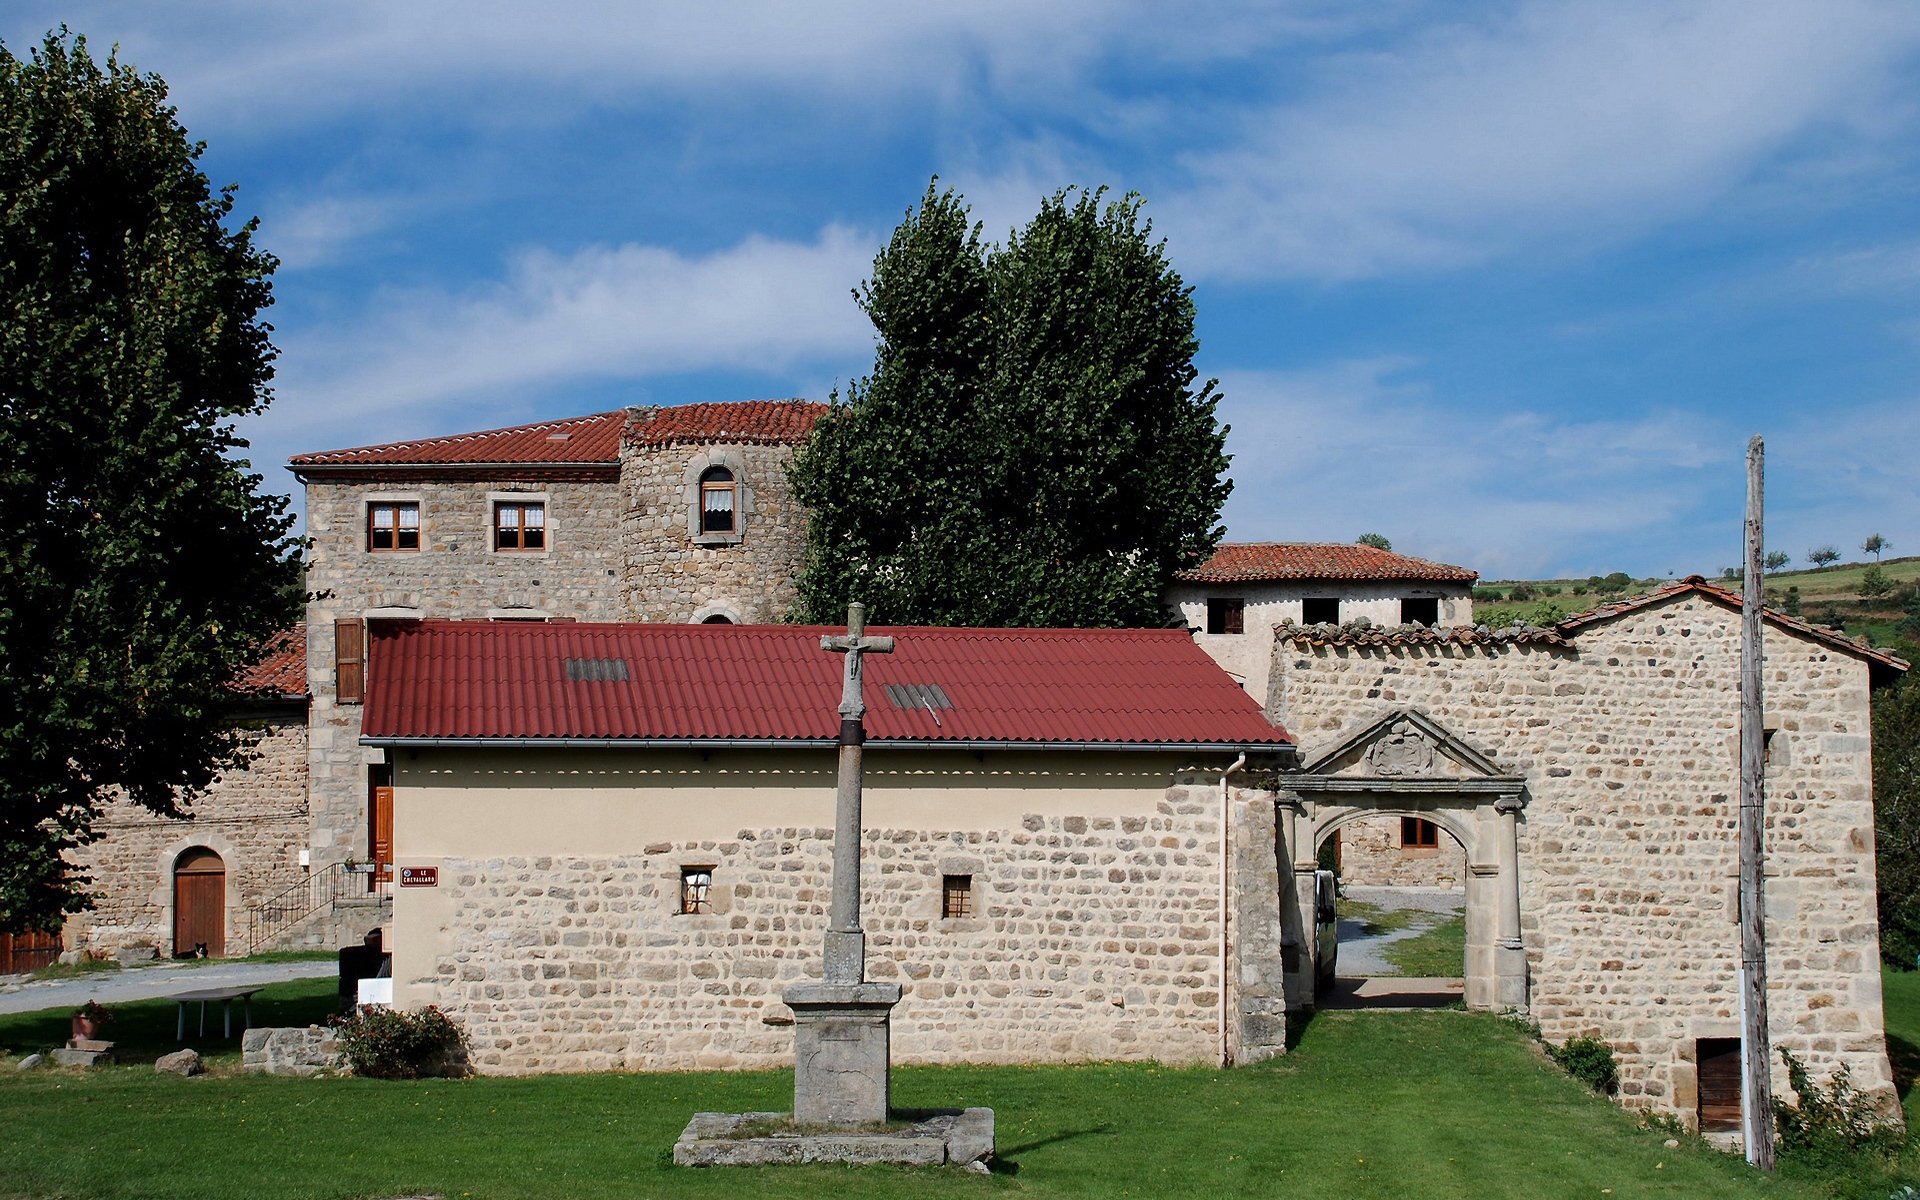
1756,1049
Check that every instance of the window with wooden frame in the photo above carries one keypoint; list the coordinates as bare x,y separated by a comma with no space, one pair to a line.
1226,614
719,501
1320,610
1416,834
956,897
519,525
349,660
393,525
696,889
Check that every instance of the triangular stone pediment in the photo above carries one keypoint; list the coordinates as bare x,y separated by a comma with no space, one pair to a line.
1404,744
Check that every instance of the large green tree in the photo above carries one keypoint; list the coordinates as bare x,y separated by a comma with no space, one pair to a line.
1896,819
140,567
1031,447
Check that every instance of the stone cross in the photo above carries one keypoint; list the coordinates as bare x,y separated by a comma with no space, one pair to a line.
846,942
842,1025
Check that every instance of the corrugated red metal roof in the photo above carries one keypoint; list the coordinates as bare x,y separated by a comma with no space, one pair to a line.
744,421
282,668
436,680
1253,562
590,439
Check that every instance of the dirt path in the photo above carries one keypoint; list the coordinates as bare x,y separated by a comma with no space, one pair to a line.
149,983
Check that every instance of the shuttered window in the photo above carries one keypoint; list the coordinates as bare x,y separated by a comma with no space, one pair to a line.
349,660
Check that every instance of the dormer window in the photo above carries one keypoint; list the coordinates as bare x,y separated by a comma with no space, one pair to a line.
719,501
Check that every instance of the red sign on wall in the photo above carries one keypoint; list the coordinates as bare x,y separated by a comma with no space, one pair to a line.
419,876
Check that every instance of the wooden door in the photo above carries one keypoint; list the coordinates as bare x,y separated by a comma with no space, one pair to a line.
1717,1062
381,824
199,903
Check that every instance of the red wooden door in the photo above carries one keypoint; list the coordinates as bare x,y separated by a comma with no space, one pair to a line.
200,903
382,825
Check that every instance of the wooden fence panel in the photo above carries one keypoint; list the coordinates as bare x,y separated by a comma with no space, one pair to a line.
22,952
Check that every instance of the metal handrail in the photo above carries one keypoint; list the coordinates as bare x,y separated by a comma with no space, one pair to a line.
292,905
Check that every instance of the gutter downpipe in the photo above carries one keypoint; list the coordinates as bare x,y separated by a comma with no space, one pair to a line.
1226,861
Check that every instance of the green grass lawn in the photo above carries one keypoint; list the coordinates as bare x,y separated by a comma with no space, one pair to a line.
1375,919
1381,1105
1438,952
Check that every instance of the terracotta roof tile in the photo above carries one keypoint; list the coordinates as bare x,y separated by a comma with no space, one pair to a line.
745,421
453,680
590,439
282,668
1253,562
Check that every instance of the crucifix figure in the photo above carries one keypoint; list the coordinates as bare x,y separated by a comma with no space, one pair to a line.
842,1025
846,943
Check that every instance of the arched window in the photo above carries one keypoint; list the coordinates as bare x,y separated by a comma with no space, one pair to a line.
718,619
719,501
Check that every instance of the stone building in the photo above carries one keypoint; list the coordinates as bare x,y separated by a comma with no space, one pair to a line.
1591,773
1239,596
614,841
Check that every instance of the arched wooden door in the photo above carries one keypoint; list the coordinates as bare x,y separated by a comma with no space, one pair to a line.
199,903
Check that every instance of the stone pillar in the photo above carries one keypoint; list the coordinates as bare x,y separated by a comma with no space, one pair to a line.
842,1048
1257,984
1510,955
1299,941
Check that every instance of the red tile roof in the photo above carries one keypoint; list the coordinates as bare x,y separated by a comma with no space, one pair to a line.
763,421
1884,662
454,681
282,668
1254,562
592,439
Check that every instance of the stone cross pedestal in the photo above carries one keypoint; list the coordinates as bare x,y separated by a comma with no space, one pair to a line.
841,1030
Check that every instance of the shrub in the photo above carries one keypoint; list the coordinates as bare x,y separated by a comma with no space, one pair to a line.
1520,592
1831,1124
1875,582
1590,1061
395,1043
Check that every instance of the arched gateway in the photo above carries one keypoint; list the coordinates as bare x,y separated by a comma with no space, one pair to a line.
1406,764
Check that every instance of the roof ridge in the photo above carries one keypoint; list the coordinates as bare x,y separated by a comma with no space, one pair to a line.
318,457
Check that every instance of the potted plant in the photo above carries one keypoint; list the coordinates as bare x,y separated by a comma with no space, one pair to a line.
90,1020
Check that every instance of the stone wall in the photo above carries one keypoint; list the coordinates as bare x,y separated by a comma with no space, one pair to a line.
255,818
1371,856
671,574
456,573
1628,741
1094,938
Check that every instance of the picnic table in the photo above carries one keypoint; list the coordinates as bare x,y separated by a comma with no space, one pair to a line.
226,996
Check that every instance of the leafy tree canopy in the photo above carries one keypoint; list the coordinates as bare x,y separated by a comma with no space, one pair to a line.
1031,448
141,568
1823,556
1777,560
1896,817
1377,540
1876,545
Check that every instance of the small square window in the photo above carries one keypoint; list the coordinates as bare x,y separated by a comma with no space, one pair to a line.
393,525
696,889
519,525
1320,610
1226,615
1420,610
956,896
1416,834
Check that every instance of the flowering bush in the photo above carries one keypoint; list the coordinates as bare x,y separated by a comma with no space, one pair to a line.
395,1043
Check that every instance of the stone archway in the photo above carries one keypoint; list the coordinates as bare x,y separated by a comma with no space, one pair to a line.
1405,764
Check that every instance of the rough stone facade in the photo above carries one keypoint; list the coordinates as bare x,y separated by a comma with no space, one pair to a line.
673,573
1371,855
255,818
1627,738
1093,937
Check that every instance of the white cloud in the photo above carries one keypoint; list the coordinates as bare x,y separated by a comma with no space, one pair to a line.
1563,123
429,361
316,232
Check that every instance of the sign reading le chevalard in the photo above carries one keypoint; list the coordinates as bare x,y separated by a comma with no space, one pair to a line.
419,876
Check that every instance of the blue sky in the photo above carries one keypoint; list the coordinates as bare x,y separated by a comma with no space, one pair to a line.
1511,283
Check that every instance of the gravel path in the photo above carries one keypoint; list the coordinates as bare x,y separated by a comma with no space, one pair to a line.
18,994
1361,955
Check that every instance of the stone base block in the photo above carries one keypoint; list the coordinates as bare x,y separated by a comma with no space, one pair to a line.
945,1137
67,1056
291,1051
842,1040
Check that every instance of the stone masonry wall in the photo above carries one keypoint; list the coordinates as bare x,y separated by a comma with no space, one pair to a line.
1094,938
255,818
670,575
1371,856
456,573
1628,855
